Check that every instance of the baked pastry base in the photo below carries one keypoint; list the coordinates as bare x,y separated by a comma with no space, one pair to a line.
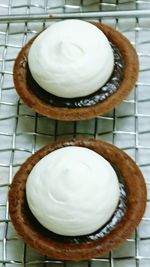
44,243
131,68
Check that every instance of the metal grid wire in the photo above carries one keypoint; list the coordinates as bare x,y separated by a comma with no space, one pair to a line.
22,131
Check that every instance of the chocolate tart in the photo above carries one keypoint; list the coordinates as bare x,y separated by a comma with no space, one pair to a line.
24,83
79,248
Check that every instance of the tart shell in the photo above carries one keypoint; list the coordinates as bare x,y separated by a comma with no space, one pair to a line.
43,243
131,68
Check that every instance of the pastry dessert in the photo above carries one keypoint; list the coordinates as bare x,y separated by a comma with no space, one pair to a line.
76,70
128,209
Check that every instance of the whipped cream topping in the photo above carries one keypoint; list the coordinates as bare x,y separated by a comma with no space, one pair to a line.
71,58
72,191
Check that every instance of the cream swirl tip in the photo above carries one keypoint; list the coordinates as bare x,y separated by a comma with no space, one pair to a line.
71,58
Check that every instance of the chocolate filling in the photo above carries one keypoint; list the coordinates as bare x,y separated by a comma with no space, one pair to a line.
100,95
104,230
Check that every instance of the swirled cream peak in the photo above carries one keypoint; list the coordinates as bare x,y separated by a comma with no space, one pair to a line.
71,58
72,191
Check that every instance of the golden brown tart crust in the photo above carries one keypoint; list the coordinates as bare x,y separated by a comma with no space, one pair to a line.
136,202
131,68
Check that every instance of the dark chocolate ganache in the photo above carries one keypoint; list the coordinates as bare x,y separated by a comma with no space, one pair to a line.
100,95
101,232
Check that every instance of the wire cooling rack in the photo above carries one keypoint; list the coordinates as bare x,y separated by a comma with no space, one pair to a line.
22,131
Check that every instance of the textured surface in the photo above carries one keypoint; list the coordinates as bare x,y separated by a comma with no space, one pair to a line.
22,131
